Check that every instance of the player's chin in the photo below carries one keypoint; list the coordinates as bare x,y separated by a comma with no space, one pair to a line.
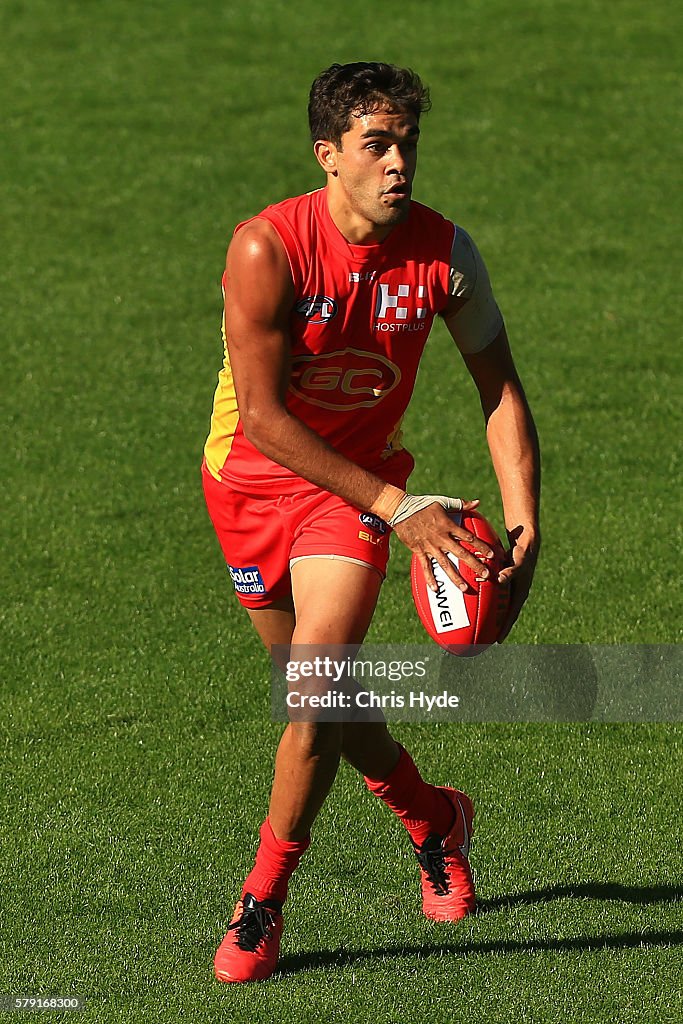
394,212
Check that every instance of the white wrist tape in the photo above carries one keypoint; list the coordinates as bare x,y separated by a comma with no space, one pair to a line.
413,503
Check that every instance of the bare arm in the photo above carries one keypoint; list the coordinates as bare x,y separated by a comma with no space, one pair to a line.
511,435
258,300
513,443
476,325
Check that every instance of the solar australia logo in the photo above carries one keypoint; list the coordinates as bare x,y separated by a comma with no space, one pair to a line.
247,580
317,309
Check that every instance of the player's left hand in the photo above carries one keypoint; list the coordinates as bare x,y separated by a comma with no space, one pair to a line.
518,575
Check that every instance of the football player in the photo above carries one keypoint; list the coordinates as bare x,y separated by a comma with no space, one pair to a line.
329,299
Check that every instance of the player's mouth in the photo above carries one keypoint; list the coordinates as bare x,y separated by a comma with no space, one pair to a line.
401,190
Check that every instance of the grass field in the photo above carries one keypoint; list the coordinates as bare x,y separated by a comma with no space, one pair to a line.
136,726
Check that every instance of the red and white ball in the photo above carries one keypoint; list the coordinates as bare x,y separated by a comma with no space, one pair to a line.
464,623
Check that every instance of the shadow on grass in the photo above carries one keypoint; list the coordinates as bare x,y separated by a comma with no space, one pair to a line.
585,943
590,890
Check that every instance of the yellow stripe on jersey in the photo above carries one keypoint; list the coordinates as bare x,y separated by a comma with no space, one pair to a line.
394,441
224,418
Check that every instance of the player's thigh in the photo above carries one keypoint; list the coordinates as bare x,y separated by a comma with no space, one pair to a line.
334,599
275,626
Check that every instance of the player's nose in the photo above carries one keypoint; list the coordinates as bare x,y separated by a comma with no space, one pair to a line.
397,162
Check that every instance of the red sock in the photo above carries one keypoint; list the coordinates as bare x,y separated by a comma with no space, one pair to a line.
421,807
276,860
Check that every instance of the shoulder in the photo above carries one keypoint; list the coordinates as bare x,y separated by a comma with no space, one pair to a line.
472,313
257,269
268,232
281,232
255,237
257,246
467,265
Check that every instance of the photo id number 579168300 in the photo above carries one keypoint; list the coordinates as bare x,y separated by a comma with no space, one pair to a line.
37,1004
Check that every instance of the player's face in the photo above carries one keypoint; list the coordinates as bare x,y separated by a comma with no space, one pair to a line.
375,166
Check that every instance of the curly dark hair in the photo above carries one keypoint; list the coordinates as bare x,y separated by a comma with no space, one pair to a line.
361,88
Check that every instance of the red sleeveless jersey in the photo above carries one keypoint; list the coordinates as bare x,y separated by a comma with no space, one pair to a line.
358,327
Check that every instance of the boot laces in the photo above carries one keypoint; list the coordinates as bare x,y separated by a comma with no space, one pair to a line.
254,926
432,860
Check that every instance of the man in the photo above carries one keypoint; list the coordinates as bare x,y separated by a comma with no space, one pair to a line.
329,298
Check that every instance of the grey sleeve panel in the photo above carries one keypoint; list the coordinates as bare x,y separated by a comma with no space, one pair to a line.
479,320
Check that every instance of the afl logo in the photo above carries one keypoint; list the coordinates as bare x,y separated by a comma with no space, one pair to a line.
343,380
373,521
317,309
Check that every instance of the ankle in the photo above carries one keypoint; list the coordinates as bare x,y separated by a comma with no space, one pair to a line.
276,861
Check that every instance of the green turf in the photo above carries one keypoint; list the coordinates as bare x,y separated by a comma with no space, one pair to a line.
135,731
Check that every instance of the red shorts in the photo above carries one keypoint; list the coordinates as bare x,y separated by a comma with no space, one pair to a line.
260,536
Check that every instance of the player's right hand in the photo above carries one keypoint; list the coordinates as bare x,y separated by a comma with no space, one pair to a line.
422,524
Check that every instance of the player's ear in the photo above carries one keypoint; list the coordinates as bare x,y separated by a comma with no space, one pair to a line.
326,155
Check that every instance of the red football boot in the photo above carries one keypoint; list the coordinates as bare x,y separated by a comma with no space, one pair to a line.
447,886
250,949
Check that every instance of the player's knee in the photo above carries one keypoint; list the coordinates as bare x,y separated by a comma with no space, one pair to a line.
317,739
